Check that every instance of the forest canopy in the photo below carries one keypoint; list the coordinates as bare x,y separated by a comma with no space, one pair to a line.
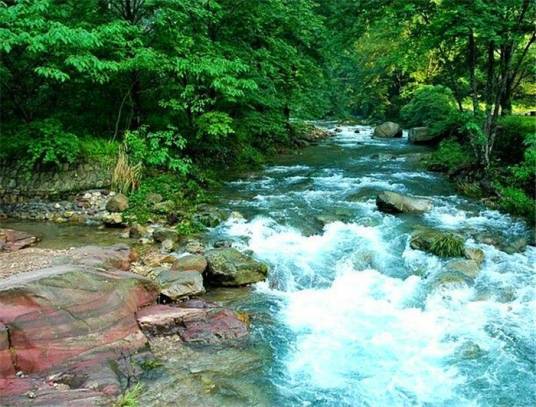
186,84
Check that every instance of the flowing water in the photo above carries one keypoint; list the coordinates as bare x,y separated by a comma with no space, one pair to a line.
350,314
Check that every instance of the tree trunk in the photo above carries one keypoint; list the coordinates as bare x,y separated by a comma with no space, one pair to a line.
471,63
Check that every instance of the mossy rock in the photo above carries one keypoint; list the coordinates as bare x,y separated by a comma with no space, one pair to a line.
442,244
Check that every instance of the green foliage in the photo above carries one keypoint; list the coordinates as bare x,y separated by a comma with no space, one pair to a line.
517,202
515,135
158,149
447,245
53,145
131,397
450,154
98,149
433,107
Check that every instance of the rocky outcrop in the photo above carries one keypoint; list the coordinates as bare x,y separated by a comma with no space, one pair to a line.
62,312
194,322
209,216
229,267
392,202
75,316
117,203
421,135
388,130
179,284
13,240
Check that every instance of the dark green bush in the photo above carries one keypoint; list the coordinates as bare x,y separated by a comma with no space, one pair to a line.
514,135
450,154
433,107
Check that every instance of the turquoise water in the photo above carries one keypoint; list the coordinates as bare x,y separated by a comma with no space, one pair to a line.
350,314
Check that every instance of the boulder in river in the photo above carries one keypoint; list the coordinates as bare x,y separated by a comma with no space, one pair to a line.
388,130
13,240
117,203
229,267
442,244
421,135
178,284
393,202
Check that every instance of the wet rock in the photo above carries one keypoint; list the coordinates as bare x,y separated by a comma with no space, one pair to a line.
194,246
203,325
59,313
338,130
13,240
392,202
469,268
167,246
178,284
516,246
162,234
383,157
209,216
117,203
111,219
137,231
421,135
443,244
223,243
229,267
388,130
474,254
190,262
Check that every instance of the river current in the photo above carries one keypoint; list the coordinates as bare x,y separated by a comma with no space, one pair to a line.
351,315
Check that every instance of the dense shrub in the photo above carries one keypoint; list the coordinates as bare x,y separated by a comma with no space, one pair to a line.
517,202
431,106
514,135
450,154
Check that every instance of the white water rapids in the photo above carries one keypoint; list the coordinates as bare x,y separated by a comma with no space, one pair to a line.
357,319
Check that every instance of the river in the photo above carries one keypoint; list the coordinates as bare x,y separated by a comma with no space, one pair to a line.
350,314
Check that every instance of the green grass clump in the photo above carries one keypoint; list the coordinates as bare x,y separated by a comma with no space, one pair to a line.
447,245
131,397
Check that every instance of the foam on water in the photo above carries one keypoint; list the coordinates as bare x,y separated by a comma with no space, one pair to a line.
360,320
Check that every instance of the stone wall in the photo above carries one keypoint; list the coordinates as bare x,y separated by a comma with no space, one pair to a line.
18,185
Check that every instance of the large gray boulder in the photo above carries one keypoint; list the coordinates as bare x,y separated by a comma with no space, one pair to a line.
388,130
229,267
190,262
421,135
392,202
179,284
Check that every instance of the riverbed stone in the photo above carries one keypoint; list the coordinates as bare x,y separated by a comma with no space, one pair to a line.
161,234
190,262
421,135
117,203
469,268
13,240
110,219
474,254
194,322
179,284
393,202
388,130
229,267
